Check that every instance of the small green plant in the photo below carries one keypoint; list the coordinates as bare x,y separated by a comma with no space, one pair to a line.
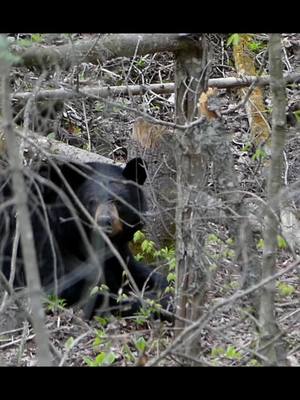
69,343
51,135
55,304
36,37
102,321
102,359
246,147
142,316
138,237
234,284
24,42
213,239
148,250
121,296
297,115
256,46
141,63
285,289
141,344
281,242
128,354
253,363
99,289
149,308
230,241
230,353
99,106
148,247
261,244
217,352
229,254
219,248
102,346
259,155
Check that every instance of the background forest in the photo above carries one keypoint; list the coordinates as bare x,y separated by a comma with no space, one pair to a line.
216,117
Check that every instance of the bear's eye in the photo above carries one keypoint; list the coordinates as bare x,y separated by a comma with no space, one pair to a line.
91,204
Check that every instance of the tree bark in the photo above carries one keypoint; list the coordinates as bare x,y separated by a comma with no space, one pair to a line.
26,233
270,347
155,144
191,166
97,50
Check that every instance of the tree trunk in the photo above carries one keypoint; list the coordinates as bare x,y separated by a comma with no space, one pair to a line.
155,144
271,346
22,212
191,166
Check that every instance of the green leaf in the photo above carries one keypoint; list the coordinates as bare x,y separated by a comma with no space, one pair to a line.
256,46
102,359
99,106
171,277
260,154
282,244
148,246
253,363
297,115
229,253
103,288
94,290
89,361
69,343
102,321
129,356
51,135
261,244
212,238
285,289
246,147
138,236
217,351
24,42
138,257
141,344
231,352
36,37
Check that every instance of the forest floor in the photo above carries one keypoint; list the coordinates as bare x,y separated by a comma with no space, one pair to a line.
231,336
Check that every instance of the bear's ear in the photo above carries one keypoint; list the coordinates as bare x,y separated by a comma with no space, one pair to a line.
135,170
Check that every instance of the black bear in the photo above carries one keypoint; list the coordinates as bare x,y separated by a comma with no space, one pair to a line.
83,217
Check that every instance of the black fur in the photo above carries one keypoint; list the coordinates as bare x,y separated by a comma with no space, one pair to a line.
92,212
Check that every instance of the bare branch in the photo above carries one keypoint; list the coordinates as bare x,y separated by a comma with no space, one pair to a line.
166,88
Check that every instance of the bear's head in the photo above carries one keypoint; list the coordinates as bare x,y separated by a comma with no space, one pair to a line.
114,198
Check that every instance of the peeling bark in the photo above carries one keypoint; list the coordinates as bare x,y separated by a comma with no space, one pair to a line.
255,108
